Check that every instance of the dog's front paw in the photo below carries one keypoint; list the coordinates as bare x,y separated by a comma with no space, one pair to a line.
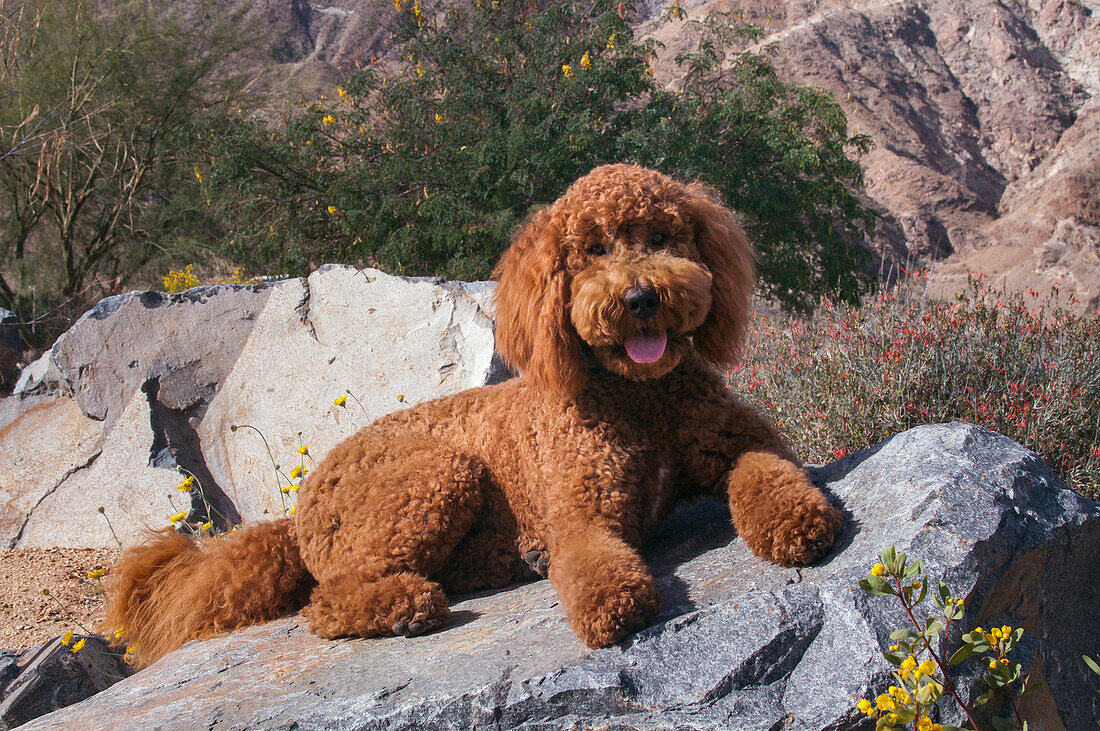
806,534
613,611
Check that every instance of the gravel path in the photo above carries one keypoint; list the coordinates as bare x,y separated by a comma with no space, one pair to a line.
27,616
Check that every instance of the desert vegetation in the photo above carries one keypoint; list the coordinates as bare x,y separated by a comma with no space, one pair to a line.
129,146
852,375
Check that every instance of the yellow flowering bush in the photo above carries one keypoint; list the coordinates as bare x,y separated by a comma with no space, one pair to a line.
180,280
920,671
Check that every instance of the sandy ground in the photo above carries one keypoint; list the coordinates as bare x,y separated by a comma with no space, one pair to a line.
27,616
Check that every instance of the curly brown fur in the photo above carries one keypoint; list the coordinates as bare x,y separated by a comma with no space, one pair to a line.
172,589
615,303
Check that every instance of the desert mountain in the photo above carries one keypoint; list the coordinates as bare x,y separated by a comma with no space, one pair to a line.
984,115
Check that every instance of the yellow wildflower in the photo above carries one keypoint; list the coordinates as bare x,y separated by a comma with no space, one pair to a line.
927,667
900,693
419,69
878,570
885,703
930,726
992,664
328,119
79,645
586,61
342,93
186,484
295,487
198,174
297,472
119,632
865,706
96,573
611,43
397,4
333,210
207,525
340,401
907,666
67,638
438,118
304,449
293,509
284,489
177,517
567,70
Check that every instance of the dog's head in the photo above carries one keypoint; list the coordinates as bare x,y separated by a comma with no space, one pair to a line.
635,267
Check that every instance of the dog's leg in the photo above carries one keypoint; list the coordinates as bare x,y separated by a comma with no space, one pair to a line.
777,511
373,537
487,557
603,583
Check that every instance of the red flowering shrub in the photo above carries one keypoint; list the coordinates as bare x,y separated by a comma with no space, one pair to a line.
852,375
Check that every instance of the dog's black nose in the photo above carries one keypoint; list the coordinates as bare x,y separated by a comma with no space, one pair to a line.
642,302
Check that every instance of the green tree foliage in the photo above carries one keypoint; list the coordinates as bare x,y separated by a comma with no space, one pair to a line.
425,162
96,104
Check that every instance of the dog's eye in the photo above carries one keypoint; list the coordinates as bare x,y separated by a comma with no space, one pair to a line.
597,250
656,239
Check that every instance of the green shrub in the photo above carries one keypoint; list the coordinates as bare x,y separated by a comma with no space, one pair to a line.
851,376
426,162
97,102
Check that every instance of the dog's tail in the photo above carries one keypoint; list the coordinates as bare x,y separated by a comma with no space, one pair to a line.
172,588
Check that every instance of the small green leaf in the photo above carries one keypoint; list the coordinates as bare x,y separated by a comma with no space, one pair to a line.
1028,691
961,654
926,695
923,591
1091,663
903,634
935,626
983,699
876,585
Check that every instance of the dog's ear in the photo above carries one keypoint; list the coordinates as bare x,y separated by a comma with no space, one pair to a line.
727,253
533,331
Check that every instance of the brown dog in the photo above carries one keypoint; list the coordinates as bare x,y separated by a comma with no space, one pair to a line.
614,303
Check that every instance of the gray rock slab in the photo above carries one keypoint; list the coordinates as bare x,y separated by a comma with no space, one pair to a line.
739,643
188,341
390,341
54,677
136,494
39,451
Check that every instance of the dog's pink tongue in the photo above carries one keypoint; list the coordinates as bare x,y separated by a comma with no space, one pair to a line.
646,347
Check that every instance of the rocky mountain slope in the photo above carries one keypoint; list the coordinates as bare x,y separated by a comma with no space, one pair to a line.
985,122
984,114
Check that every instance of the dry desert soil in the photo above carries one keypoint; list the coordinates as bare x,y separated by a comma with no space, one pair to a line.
28,616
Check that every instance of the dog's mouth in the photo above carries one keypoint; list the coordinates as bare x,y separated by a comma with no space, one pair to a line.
646,346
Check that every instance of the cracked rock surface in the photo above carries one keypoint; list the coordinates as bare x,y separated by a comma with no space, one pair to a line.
739,643
147,384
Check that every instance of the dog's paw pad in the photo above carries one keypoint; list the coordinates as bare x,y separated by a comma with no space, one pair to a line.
538,561
416,626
